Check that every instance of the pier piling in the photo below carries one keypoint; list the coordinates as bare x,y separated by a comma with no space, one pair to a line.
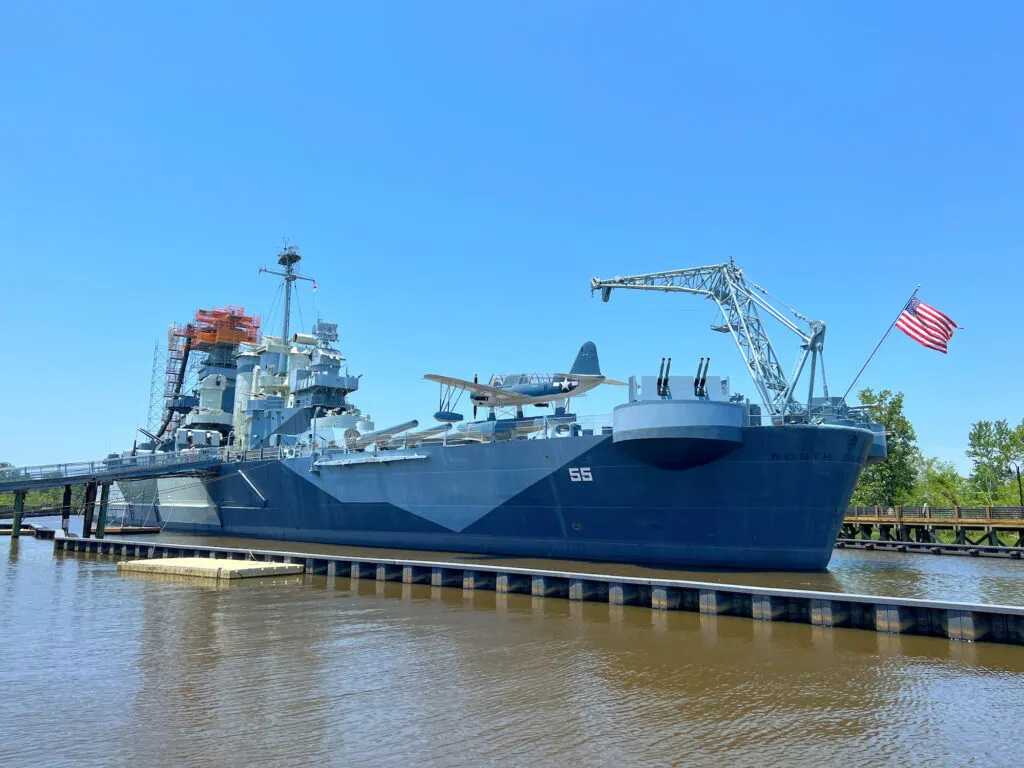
717,603
19,508
895,619
364,570
628,593
774,608
446,577
90,504
549,586
478,580
585,589
65,509
414,574
389,572
517,583
101,519
829,613
672,599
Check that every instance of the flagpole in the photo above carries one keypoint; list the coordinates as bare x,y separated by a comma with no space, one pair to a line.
884,336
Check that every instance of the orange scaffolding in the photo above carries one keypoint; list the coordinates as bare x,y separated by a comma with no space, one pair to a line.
229,325
226,326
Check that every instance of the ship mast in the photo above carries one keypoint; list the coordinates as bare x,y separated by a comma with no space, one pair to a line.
287,258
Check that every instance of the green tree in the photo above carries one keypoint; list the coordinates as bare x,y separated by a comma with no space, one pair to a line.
893,480
939,484
992,446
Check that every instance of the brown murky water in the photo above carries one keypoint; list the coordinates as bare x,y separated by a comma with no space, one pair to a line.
117,670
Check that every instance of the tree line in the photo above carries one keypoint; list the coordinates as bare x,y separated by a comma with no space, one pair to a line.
910,478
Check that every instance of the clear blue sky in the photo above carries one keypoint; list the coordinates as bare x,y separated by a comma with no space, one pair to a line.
454,173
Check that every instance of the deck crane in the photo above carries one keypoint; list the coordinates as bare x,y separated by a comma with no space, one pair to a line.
740,301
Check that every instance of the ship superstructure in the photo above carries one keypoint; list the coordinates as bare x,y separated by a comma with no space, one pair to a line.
259,391
685,472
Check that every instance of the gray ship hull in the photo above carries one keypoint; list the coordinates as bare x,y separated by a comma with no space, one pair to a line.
775,502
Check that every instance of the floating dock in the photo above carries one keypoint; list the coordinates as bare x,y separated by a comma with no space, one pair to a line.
965,622
210,568
39,531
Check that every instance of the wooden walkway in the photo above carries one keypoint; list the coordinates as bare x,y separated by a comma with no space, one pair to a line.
970,525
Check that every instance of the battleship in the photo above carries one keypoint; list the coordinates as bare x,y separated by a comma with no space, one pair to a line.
684,472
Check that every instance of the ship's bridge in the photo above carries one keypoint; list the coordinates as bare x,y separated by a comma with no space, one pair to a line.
323,383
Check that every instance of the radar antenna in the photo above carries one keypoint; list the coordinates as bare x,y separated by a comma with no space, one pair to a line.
288,258
739,301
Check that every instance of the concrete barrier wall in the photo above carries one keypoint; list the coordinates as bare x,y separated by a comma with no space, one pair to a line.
963,622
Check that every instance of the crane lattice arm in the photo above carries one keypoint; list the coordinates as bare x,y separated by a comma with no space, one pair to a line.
740,302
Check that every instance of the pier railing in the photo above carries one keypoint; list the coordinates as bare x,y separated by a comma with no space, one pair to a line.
926,515
140,465
72,471
83,468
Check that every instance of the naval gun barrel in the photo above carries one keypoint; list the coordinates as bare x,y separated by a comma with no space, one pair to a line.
359,442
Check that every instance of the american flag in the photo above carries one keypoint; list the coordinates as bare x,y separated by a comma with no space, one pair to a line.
926,325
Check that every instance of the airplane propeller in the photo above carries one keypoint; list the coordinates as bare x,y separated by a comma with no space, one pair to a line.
476,380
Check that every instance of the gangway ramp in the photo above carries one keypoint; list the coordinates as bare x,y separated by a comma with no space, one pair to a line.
139,467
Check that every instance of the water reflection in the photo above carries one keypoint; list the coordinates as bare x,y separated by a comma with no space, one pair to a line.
327,669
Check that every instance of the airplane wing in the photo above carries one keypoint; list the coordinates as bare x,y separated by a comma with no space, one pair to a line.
501,397
588,377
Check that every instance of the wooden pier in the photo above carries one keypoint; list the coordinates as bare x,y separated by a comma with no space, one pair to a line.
963,622
966,526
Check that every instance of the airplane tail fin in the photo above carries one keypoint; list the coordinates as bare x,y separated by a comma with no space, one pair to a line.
586,361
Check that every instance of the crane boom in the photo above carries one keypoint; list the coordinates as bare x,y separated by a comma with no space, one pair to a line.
740,302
